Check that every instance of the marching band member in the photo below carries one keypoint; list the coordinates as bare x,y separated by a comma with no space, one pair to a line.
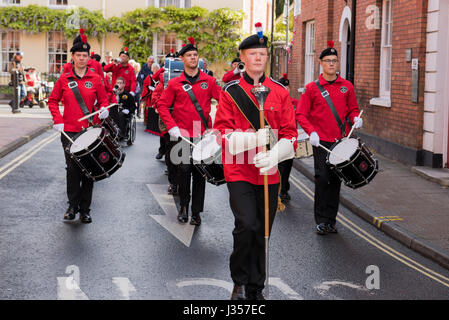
122,68
190,95
234,73
285,167
87,85
238,111
318,120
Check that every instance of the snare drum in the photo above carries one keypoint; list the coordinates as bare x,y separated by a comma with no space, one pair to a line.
206,156
304,149
353,163
112,127
96,153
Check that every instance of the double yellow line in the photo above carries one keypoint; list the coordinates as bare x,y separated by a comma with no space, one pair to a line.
374,241
10,166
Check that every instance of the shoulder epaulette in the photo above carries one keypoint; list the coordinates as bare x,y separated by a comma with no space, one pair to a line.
229,84
278,83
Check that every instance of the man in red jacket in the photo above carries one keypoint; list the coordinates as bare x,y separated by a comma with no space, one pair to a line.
122,69
316,118
91,89
245,167
185,120
234,73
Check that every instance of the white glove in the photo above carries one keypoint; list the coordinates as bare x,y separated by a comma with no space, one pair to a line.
314,139
103,114
358,123
125,111
243,141
174,132
58,127
283,150
132,93
236,70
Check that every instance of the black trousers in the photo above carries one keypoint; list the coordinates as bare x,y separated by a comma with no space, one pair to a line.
171,168
162,145
285,167
327,187
247,261
123,120
187,174
79,186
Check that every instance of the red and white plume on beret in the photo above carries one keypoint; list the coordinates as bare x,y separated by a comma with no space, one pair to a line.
330,43
83,36
284,76
192,40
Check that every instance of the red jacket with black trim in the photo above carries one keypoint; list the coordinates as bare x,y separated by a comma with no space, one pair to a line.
314,114
92,91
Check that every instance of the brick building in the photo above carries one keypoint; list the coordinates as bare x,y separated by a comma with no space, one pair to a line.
400,69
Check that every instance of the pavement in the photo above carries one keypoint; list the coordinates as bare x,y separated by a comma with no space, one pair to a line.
410,204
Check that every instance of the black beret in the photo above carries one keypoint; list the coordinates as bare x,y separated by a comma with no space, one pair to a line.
124,51
331,51
284,82
188,47
253,42
236,60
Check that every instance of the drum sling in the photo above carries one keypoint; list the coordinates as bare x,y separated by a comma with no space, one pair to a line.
328,99
73,85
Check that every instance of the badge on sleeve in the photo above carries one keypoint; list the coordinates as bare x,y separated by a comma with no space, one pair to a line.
124,97
343,89
204,85
88,84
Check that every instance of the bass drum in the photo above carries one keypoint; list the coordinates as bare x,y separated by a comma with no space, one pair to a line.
96,153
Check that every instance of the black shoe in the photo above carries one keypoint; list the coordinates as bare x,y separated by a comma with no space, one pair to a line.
331,228
173,189
195,219
70,213
254,294
284,196
238,293
321,229
85,217
183,215
159,156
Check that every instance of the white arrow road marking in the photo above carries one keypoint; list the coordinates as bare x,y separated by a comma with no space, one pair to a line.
124,285
68,289
285,288
276,282
324,287
182,232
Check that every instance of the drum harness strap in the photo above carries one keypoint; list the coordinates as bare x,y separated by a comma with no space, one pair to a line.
73,85
249,109
188,88
326,97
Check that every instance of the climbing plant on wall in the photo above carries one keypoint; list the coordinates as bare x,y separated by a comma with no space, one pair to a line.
217,33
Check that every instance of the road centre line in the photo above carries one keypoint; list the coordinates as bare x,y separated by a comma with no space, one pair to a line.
380,245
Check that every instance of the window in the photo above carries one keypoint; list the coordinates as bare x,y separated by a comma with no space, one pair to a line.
166,3
385,54
58,2
57,51
297,7
10,1
165,42
10,44
310,52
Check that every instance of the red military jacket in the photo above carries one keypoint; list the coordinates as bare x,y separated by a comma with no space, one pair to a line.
126,72
314,114
91,89
230,76
278,112
157,94
184,114
148,90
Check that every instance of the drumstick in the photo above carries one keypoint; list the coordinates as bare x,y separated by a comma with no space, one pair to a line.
98,111
67,136
353,126
188,141
333,152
